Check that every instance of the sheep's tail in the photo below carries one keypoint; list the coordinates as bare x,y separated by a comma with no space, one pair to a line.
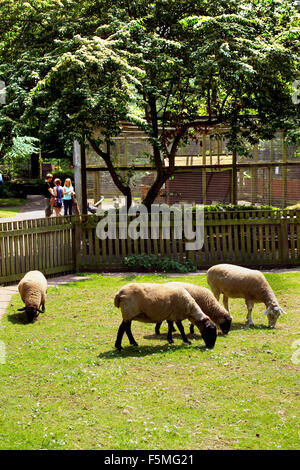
117,299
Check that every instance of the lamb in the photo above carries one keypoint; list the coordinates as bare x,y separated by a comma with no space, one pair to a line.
153,303
33,288
238,282
208,304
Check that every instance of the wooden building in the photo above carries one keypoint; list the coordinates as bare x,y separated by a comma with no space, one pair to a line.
206,171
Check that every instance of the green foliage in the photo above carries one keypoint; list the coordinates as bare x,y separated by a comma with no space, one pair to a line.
239,207
72,66
154,263
16,158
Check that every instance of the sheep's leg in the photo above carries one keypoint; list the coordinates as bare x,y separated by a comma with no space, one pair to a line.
132,341
182,332
170,329
249,317
216,292
192,329
121,331
157,328
225,302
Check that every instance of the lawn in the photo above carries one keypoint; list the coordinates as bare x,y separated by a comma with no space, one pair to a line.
9,207
63,385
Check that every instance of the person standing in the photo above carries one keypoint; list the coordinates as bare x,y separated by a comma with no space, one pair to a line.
58,195
67,196
47,192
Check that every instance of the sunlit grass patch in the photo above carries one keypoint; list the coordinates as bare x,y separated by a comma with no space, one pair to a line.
64,386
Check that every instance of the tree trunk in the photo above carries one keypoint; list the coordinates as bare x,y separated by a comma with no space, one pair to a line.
125,190
155,188
35,166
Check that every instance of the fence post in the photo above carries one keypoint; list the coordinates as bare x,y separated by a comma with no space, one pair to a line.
284,239
234,179
76,242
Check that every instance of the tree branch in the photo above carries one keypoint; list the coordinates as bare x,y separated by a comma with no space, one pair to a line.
115,177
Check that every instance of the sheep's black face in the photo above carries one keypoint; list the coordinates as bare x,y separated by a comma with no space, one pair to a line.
225,326
209,334
32,314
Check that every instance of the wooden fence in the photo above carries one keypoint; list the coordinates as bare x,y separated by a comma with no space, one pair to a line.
69,244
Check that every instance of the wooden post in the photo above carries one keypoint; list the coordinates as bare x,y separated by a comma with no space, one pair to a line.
203,185
218,149
234,179
253,184
284,240
83,178
270,185
284,172
271,173
204,169
76,242
77,172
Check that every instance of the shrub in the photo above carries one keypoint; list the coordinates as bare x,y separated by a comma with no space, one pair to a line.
154,263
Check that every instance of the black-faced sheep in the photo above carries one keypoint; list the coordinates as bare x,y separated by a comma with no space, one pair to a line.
154,303
208,304
33,288
238,282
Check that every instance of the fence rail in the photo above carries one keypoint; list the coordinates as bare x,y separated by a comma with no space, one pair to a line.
68,244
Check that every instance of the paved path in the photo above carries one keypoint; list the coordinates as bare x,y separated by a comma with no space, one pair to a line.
33,209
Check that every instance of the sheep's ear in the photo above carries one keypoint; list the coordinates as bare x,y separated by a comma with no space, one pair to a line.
266,311
282,311
21,309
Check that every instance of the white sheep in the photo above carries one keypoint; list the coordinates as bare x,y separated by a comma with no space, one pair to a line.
154,303
208,304
33,288
238,282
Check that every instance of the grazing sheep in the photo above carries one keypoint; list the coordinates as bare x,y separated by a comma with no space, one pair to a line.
238,282
33,288
153,303
208,304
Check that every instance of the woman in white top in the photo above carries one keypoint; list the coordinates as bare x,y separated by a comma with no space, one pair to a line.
67,196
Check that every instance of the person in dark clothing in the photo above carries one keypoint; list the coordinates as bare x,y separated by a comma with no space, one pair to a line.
47,192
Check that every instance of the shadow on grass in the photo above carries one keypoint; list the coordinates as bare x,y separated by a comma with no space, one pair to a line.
20,318
243,326
142,351
175,336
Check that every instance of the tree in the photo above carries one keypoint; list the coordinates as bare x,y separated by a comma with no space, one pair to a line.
171,67
16,158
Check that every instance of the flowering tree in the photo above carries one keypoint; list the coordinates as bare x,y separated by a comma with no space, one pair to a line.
171,67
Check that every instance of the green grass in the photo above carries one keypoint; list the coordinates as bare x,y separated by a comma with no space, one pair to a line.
63,385
12,202
9,212
9,207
